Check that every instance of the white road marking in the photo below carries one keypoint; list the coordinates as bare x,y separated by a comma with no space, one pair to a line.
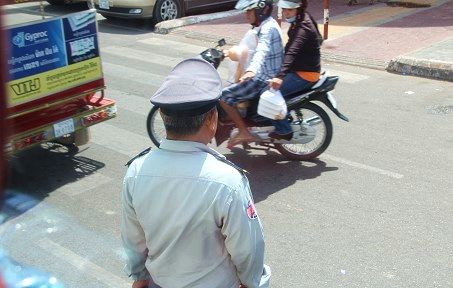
176,45
89,183
130,102
151,58
346,77
362,166
136,75
84,264
119,140
144,56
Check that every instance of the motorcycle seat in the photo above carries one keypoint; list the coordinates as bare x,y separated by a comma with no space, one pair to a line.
318,84
321,81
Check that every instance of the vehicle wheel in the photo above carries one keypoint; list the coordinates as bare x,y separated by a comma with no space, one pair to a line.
166,10
66,140
312,119
155,126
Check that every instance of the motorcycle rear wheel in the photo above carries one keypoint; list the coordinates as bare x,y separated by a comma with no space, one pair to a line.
317,118
155,126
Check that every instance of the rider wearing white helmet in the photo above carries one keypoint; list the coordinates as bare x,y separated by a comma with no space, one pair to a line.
262,9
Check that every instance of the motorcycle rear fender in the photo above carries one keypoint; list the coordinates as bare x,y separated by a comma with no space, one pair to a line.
315,95
320,94
324,98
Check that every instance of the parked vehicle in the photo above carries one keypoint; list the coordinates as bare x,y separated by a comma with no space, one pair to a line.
159,10
311,124
55,88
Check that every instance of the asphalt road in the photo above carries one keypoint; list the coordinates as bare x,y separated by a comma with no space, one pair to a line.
375,210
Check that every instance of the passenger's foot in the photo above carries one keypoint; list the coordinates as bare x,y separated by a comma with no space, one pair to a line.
276,136
240,138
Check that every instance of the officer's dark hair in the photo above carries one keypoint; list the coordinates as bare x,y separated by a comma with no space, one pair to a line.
184,125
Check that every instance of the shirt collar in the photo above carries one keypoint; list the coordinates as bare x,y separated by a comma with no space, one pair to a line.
187,146
262,23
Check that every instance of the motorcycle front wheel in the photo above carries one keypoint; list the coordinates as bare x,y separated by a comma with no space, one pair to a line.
155,126
310,118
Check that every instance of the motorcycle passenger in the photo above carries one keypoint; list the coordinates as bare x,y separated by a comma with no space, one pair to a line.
302,63
264,65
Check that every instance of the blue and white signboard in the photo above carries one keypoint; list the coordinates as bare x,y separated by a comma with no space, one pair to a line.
36,48
52,55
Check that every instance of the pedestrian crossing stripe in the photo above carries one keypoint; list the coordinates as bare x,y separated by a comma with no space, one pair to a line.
176,45
119,140
131,74
130,102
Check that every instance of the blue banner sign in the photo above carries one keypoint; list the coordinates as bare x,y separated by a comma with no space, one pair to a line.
52,55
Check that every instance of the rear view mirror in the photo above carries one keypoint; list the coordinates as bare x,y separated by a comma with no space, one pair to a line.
221,42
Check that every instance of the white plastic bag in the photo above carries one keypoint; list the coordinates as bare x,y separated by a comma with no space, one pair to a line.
272,105
249,43
241,55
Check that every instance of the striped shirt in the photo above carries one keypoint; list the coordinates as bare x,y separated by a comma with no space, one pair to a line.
268,57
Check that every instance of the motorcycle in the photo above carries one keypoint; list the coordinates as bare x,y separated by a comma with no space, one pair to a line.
311,125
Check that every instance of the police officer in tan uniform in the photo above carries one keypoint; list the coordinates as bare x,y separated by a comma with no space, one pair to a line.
188,217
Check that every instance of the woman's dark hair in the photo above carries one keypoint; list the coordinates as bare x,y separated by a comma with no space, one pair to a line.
303,4
302,8
301,11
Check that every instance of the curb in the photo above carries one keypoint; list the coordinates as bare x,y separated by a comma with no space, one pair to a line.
165,27
422,67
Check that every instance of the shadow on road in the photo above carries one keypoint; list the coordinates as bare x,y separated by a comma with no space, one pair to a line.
37,172
47,9
272,172
120,26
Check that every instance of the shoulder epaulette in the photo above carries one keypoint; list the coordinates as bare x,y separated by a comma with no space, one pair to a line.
144,152
228,162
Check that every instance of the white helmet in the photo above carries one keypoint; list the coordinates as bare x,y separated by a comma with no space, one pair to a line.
250,4
259,6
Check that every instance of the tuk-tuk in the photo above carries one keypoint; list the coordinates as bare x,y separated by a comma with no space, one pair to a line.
55,84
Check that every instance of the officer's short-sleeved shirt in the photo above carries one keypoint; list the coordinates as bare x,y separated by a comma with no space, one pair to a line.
189,219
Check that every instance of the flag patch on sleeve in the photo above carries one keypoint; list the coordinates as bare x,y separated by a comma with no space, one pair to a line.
251,211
